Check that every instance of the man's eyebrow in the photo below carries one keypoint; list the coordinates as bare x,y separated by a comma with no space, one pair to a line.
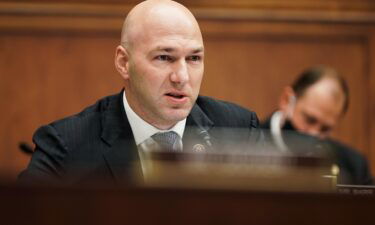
164,49
198,50
169,49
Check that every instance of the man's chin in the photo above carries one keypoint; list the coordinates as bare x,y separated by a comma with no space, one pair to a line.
176,115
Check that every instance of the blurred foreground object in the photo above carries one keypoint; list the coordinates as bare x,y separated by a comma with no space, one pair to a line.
160,206
260,170
353,167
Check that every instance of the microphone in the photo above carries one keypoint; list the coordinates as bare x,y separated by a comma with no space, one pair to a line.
25,148
205,136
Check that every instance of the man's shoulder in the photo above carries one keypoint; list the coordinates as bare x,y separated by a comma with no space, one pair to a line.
90,112
62,146
347,152
353,163
224,112
88,121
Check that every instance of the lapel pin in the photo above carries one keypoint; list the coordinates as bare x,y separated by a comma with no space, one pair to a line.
199,148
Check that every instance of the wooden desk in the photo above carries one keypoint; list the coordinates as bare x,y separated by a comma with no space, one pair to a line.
94,206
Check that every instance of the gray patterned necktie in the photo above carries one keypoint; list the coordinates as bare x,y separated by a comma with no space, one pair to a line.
168,141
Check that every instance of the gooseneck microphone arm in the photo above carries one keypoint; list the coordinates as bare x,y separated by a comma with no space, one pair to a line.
205,136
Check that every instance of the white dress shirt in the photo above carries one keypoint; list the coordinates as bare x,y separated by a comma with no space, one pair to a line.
143,130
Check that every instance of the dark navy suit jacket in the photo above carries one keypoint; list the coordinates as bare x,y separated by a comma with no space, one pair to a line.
353,166
98,144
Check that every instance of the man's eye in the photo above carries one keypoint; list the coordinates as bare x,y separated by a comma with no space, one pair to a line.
310,120
194,58
164,58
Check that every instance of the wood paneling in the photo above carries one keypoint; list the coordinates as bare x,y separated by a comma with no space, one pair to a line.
260,62
363,5
56,58
45,77
371,103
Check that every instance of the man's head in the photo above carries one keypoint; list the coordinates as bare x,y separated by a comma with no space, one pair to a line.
316,101
161,61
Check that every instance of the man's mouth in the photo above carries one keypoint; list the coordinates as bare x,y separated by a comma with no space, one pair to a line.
175,95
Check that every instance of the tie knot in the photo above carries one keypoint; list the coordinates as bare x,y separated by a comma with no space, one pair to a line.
169,141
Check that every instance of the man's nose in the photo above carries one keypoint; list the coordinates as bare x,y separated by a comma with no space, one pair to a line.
180,74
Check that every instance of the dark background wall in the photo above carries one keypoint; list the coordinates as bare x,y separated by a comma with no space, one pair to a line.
56,57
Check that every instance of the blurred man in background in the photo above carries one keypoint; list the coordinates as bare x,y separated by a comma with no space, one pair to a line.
314,105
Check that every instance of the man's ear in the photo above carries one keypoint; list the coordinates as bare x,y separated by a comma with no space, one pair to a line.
287,99
122,62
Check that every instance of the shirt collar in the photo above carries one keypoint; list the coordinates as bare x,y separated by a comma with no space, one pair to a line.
143,130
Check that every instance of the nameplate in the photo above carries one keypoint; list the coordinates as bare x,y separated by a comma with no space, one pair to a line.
356,189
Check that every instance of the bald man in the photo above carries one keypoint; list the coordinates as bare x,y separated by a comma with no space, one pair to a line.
161,61
313,105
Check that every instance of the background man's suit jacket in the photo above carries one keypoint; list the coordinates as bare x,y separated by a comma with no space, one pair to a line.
98,144
354,167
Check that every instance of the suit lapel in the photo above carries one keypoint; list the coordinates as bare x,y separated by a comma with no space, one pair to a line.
121,152
122,159
195,123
